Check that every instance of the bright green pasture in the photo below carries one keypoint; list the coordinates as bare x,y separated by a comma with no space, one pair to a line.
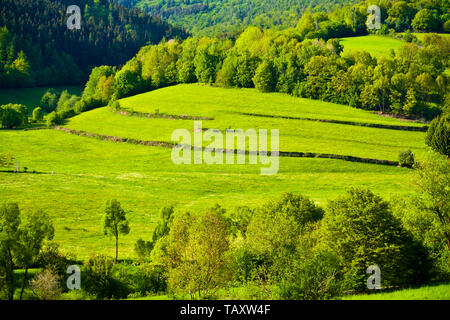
31,97
202,100
295,135
376,45
87,172
431,292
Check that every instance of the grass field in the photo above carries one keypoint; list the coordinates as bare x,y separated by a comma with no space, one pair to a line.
88,172
431,292
295,135
376,45
31,97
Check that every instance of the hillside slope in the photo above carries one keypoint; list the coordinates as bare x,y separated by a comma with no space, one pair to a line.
216,16
85,172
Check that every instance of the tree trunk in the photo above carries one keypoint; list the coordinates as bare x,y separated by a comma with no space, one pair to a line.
117,248
23,282
11,276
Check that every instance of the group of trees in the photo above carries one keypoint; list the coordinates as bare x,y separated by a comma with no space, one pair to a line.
341,16
290,248
21,241
36,47
411,82
13,115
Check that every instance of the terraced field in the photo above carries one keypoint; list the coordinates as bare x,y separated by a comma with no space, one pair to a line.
76,175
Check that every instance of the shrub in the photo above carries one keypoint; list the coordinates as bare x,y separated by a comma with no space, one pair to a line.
13,115
99,279
438,135
406,159
53,119
311,278
143,249
38,115
51,258
152,278
49,100
46,285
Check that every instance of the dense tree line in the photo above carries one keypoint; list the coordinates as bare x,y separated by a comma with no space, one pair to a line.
410,83
36,47
213,17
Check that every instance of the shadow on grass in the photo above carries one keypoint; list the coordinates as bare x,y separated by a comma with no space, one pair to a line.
23,172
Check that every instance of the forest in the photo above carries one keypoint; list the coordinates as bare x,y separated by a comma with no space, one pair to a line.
36,47
217,16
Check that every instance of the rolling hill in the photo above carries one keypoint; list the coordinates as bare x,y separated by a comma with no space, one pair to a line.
72,176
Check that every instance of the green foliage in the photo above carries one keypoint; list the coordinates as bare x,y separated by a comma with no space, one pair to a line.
438,135
38,115
49,100
13,115
274,249
99,279
361,230
51,258
54,119
143,248
264,79
9,247
406,158
20,243
426,20
433,181
152,279
6,160
37,53
311,277
197,253
115,222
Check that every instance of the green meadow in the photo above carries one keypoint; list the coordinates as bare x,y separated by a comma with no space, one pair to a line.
72,177
31,97
376,45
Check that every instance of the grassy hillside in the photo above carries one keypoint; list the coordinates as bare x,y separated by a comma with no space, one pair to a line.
223,104
87,172
432,292
376,45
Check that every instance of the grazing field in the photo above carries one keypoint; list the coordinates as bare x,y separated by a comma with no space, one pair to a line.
221,105
74,176
31,97
376,45
431,292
